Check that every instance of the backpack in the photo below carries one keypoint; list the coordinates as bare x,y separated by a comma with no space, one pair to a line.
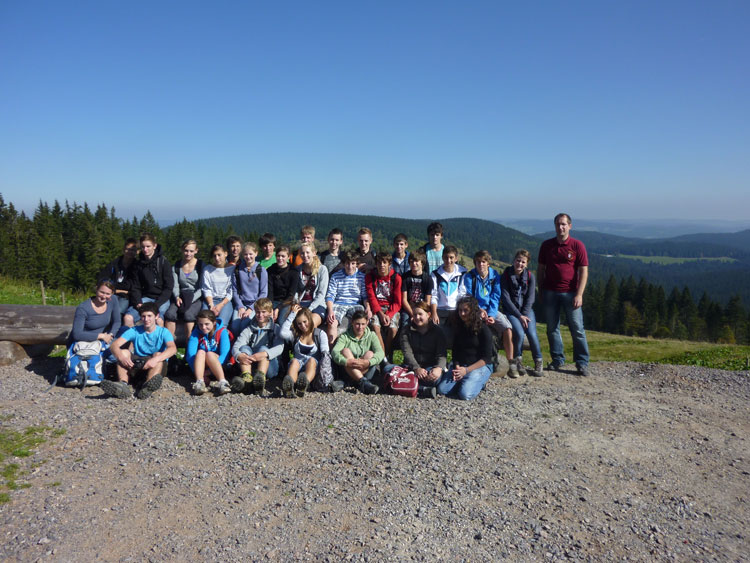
325,366
401,381
83,364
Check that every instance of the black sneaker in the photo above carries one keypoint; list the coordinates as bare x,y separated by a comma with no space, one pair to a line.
336,385
287,387
148,388
521,367
367,387
259,383
118,389
554,366
583,370
237,384
428,392
302,384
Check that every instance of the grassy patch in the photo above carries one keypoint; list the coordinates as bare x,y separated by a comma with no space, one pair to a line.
620,348
20,445
16,292
669,260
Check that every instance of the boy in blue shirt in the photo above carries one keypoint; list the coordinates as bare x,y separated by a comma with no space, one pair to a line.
149,347
400,262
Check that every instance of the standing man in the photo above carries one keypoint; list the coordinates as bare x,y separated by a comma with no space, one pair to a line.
562,276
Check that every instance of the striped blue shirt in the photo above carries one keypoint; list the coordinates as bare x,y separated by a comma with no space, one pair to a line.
346,290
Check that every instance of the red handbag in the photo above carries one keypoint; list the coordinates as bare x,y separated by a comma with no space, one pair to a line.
401,381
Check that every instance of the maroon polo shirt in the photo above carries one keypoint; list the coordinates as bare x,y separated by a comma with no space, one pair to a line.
561,262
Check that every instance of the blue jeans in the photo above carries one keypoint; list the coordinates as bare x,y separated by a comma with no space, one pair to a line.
518,334
552,302
225,314
273,365
468,387
237,325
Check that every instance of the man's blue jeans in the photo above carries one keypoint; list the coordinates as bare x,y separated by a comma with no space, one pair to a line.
553,302
468,387
519,332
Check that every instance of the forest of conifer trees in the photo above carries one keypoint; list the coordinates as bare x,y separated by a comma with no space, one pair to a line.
66,246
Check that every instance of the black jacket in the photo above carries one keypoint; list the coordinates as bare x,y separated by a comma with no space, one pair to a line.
152,277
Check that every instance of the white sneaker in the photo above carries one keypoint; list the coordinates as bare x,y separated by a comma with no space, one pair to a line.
222,387
199,387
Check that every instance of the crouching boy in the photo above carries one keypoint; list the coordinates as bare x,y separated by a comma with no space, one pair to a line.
149,348
358,354
256,350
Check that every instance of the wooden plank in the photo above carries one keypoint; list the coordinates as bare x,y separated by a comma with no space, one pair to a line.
35,324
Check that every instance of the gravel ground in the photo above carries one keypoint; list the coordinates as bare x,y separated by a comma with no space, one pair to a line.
636,462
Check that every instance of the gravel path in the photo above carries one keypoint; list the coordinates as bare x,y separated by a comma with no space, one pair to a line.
637,462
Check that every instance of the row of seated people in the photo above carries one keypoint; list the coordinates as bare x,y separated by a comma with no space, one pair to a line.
379,293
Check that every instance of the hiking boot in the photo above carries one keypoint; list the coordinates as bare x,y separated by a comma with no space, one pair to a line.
538,370
198,387
583,370
554,366
222,387
335,386
302,384
428,392
237,384
519,363
287,387
118,389
259,383
148,388
512,369
368,387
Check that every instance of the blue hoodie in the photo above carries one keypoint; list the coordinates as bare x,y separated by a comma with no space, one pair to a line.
486,291
199,341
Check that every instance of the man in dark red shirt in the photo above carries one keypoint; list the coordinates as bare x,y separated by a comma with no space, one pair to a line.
562,276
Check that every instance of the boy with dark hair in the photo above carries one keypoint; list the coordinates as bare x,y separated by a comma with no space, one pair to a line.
434,247
400,262
257,349
120,273
283,284
365,255
447,289
483,284
416,285
358,352
306,235
233,245
267,243
346,295
384,297
331,258
152,281
149,347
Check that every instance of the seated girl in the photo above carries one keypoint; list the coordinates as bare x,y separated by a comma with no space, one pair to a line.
313,283
308,347
95,324
425,349
217,285
187,275
208,347
472,353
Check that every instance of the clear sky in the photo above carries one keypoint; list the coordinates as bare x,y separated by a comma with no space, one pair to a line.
424,109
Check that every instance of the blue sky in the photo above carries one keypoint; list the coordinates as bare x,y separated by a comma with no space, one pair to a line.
607,110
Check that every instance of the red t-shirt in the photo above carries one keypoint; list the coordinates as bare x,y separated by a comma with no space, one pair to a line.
561,262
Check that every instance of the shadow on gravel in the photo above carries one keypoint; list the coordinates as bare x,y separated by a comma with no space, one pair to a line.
45,366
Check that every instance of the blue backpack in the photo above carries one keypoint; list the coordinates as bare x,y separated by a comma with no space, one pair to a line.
83,364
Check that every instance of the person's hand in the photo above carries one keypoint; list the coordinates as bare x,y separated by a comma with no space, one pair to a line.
525,321
105,337
435,374
296,308
458,373
435,319
483,314
384,321
275,315
244,359
330,318
152,362
489,320
125,360
421,373
577,301
245,313
258,356
178,301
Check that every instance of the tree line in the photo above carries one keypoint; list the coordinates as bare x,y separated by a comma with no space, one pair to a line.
66,246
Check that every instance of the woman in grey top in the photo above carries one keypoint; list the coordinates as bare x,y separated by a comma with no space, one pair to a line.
186,290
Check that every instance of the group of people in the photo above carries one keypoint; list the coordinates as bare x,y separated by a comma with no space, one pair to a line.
261,311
